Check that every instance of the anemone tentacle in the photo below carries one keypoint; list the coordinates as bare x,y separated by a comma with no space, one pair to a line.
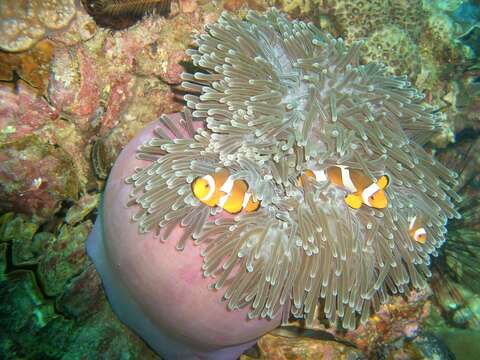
279,97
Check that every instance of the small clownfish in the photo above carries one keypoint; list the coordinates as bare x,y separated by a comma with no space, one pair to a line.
416,231
220,190
361,187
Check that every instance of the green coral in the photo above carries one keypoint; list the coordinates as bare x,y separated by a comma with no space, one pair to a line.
393,47
301,6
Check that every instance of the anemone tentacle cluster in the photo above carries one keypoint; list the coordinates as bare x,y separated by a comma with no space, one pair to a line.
279,97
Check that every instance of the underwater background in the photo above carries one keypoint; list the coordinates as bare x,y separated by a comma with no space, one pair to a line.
79,79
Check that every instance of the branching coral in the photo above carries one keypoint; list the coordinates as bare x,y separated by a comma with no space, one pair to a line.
278,98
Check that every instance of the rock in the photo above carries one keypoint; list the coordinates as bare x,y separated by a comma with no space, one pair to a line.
86,204
36,177
284,348
23,314
64,258
83,296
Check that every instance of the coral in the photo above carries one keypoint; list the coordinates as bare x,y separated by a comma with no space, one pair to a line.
64,258
35,177
23,23
95,89
413,28
73,87
24,113
82,208
27,244
358,19
408,15
424,346
299,6
79,298
393,47
283,348
74,322
235,5
32,66
81,29
24,311
445,5
441,40
401,319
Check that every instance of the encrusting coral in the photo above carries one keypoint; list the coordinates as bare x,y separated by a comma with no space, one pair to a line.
23,23
393,47
279,98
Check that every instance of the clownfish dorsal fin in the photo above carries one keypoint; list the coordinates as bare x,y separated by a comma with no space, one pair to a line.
354,201
383,182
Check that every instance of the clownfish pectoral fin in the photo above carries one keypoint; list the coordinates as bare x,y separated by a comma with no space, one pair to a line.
354,201
383,182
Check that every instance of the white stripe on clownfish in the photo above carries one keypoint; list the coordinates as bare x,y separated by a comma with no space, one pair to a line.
368,192
362,189
417,232
346,179
211,184
227,189
246,198
221,190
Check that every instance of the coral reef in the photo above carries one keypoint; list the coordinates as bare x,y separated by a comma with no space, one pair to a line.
427,45
95,90
52,300
73,94
47,132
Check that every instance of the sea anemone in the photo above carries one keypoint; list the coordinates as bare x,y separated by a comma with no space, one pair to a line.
278,98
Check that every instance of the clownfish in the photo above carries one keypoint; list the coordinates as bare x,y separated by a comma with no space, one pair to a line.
416,231
362,189
220,190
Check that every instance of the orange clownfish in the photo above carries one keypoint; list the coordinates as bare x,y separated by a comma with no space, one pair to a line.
416,231
220,190
362,189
